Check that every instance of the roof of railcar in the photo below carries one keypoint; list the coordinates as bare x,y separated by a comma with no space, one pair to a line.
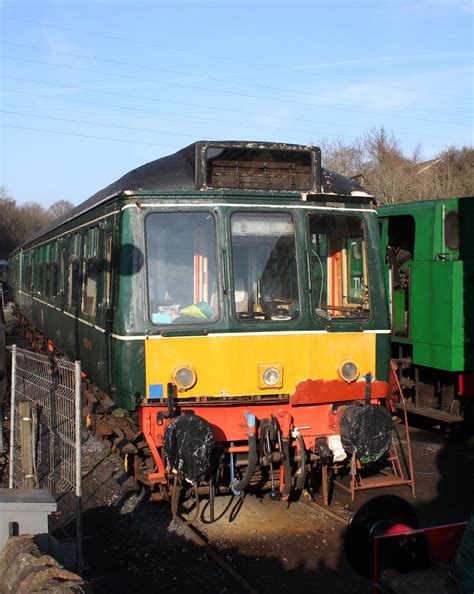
177,172
418,205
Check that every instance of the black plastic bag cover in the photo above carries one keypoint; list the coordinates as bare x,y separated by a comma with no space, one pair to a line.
188,444
366,430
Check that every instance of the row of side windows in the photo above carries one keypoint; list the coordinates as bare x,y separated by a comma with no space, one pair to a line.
74,267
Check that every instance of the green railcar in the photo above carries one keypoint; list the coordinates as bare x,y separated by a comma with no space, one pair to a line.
429,257
228,286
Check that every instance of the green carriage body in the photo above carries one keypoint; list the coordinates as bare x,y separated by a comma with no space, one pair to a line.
429,255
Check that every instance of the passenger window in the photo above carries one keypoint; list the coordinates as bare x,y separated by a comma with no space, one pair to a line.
74,274
47,280
62,268
73,282
90,288
41,279
452,230
54,269
54,286
89,297
108,268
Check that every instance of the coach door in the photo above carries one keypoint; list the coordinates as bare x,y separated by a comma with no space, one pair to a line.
90,331
400,250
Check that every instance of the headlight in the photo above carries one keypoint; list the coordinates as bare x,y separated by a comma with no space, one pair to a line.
270,376
349,371
184,377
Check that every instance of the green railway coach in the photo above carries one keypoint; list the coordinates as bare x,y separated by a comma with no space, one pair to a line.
232,288
429,255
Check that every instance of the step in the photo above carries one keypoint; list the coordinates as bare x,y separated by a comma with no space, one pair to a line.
432,413
386,480
404,360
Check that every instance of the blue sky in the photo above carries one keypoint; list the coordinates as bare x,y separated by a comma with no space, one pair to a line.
91,90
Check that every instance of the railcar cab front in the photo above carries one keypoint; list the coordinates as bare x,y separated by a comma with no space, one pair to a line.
264,295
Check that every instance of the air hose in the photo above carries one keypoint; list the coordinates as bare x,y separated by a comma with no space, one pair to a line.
284,419
177,487
286,488
302,469
267,437
238,486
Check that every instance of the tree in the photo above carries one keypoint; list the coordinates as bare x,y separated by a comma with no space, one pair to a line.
389,173
346,159
60,208
8,210
392,176
456,178
31,217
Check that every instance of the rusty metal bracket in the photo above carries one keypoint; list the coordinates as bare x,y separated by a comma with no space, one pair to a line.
154,477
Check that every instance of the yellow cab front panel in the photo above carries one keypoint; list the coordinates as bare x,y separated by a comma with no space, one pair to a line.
232,364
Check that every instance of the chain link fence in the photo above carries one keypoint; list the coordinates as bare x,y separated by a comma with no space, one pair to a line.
45,438
3,370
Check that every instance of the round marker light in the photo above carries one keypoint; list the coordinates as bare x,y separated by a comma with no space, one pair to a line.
184,377
271,376
349,371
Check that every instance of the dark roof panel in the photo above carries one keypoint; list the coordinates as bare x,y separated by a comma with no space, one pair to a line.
184,169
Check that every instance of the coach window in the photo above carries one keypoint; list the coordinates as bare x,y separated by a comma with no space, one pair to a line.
39,270
27,276
62,267
181,266
89,299
108,268
338,263
452,230
74,271
47,270
264,267
54,269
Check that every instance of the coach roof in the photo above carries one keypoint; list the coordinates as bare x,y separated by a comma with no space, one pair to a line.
186,170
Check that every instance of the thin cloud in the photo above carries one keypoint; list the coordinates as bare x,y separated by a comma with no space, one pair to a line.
372,61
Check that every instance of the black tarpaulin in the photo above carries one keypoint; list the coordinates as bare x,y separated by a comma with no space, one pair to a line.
366,430
188,444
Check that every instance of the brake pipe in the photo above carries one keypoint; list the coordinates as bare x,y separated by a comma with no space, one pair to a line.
285,424
238,486
302,469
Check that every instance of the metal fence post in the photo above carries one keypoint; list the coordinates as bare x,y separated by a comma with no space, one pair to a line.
77,410
26,437
12,418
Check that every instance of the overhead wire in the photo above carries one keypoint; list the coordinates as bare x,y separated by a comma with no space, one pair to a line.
252,84
89,136
193,53
179,115
73,121
154,99
231,93
176,116
200,106
320,134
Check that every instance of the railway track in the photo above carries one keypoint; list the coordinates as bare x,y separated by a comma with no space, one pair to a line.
196,537
341,518
193,534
